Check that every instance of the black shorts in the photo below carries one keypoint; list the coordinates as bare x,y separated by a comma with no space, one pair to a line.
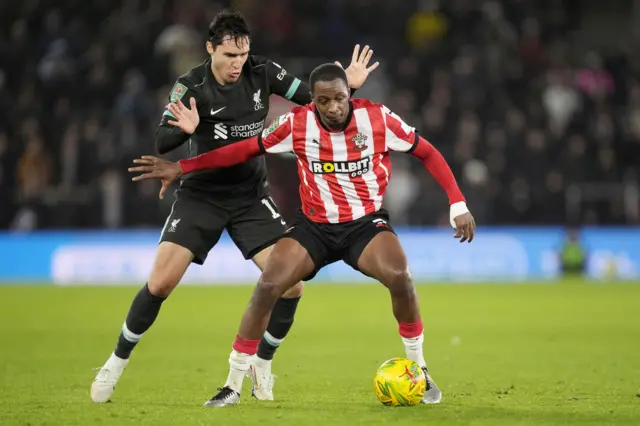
327,243
196,223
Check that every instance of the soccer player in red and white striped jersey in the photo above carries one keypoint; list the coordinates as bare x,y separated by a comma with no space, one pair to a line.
342,148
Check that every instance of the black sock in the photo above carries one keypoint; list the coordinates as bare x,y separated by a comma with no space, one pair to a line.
279,325
142,313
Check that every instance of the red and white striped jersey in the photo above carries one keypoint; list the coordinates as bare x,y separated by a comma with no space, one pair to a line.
343,174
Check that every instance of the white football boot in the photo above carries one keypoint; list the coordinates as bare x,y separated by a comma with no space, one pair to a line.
432,395
105,382
224,398
262,380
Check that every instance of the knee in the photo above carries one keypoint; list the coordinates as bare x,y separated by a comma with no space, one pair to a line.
162,282
268,288
294,292
170,265
161,286
399,282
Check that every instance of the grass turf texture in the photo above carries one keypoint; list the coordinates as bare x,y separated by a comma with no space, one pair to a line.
512,355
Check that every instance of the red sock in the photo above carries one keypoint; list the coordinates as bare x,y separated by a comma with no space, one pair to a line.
410,330
249,347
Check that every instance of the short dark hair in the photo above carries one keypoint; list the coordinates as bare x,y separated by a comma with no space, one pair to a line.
327,72
227,24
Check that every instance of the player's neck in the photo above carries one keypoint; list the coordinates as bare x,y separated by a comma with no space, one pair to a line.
334,128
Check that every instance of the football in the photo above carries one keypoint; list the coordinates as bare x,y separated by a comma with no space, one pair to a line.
399,382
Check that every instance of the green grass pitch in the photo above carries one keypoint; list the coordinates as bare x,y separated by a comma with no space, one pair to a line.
503,355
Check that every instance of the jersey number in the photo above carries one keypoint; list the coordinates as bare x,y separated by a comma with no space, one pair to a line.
271,206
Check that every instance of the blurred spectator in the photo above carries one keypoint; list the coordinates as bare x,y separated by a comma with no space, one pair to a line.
593,80
573,256
426,24
34,170
560,100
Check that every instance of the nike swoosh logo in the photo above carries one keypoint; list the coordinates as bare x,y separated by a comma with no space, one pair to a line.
217,111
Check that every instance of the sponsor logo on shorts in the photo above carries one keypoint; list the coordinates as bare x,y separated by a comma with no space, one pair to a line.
174,224
352,168
380,223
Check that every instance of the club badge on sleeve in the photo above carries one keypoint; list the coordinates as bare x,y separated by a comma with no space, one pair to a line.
178,91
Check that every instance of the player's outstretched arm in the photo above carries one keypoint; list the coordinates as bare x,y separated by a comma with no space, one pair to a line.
359,69
178,122
156,168
226,156
404,138
277,138
292,88
434,162
165,171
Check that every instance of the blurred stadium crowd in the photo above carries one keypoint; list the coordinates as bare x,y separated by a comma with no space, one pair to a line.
519,105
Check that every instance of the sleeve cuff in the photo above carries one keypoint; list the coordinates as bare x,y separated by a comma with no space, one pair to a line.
261,145
456,210
416,141
184,166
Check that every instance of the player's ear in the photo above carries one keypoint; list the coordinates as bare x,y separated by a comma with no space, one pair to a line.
210,48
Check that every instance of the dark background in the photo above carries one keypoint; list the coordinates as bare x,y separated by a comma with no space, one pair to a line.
535,103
